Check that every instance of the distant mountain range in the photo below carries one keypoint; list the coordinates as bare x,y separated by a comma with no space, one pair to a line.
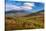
36,13
15,13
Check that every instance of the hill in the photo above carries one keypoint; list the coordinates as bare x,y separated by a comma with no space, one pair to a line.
31,21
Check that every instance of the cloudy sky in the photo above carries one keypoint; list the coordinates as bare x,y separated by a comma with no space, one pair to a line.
22,5
26,6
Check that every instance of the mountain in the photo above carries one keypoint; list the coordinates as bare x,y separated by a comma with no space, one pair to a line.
21,13
36,13
13,11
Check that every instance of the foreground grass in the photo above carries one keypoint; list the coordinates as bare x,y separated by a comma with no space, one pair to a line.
31,22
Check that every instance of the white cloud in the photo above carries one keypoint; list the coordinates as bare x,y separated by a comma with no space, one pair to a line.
26,6
29,4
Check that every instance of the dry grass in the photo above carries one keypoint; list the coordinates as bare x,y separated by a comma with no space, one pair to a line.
32,22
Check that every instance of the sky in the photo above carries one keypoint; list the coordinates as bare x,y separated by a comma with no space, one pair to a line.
24,5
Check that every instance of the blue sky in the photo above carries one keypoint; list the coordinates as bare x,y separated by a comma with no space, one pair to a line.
21,5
